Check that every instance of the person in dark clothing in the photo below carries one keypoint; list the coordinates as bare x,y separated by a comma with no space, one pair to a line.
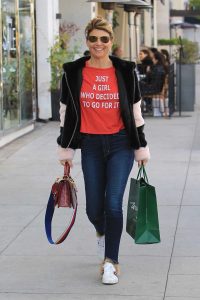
153,83
145,62
152,51
166,56
143,68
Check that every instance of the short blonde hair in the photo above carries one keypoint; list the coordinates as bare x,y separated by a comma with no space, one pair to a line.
101,24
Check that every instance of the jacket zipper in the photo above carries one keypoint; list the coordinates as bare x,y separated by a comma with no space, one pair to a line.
74,108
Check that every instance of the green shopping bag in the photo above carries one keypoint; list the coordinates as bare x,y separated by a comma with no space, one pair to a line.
142,215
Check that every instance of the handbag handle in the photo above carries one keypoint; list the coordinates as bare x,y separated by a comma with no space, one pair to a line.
50,212
141,172
66,169
48,220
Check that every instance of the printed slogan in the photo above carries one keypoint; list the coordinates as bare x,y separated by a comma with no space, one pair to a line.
101,94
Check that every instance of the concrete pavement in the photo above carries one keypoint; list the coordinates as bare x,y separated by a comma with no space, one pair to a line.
30,268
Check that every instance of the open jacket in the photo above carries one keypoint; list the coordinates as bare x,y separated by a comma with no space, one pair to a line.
130,107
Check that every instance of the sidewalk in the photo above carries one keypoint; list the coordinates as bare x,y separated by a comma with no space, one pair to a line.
30,268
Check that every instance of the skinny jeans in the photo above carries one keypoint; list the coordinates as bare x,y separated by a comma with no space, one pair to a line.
107,160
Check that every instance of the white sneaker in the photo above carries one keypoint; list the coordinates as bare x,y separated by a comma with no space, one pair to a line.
109,274
101,247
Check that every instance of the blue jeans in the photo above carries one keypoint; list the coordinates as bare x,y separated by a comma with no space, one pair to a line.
106,162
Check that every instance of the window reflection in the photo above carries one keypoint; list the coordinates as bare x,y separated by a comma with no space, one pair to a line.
17,62
26,60
9,61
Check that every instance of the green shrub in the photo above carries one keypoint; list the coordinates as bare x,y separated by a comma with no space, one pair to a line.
60,52
191,52
190,49
195,4
168,42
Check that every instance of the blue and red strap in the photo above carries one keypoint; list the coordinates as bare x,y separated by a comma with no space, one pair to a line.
48,220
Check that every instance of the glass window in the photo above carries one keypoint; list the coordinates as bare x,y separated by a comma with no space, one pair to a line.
11,107
1,93
25,60
18,64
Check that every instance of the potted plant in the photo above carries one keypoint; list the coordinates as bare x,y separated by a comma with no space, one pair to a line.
60,53
185,75
9,85
26,85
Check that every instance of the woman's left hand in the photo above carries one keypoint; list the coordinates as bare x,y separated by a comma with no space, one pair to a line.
142,162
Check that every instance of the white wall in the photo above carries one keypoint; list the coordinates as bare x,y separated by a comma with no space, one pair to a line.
163,29
192,35
46,29
78,12
178,4
147,29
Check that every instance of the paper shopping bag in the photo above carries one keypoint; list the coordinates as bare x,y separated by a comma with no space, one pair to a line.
142,215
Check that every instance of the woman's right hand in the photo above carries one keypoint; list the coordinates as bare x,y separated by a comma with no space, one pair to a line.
64,161
142,162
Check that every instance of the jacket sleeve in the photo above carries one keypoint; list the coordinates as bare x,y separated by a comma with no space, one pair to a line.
63,153
143,152
63,105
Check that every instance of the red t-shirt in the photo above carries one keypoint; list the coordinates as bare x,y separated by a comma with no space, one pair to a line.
99,101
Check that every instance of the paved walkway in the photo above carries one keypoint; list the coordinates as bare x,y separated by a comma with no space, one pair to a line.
30,268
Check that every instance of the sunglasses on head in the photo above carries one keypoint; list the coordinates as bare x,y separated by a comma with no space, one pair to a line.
94,39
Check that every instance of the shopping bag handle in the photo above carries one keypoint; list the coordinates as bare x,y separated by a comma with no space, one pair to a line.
142,173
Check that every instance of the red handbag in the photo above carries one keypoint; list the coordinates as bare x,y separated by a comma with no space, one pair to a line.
63,194
64,189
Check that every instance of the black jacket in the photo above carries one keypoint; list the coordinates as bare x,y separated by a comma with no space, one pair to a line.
70,94
154,81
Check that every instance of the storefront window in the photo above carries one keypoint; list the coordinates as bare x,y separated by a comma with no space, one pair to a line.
17,57
1,92
11,107
26,60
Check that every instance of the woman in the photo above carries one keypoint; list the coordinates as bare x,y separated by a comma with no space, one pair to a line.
100,113
144,67
146,62
166,55
153,84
